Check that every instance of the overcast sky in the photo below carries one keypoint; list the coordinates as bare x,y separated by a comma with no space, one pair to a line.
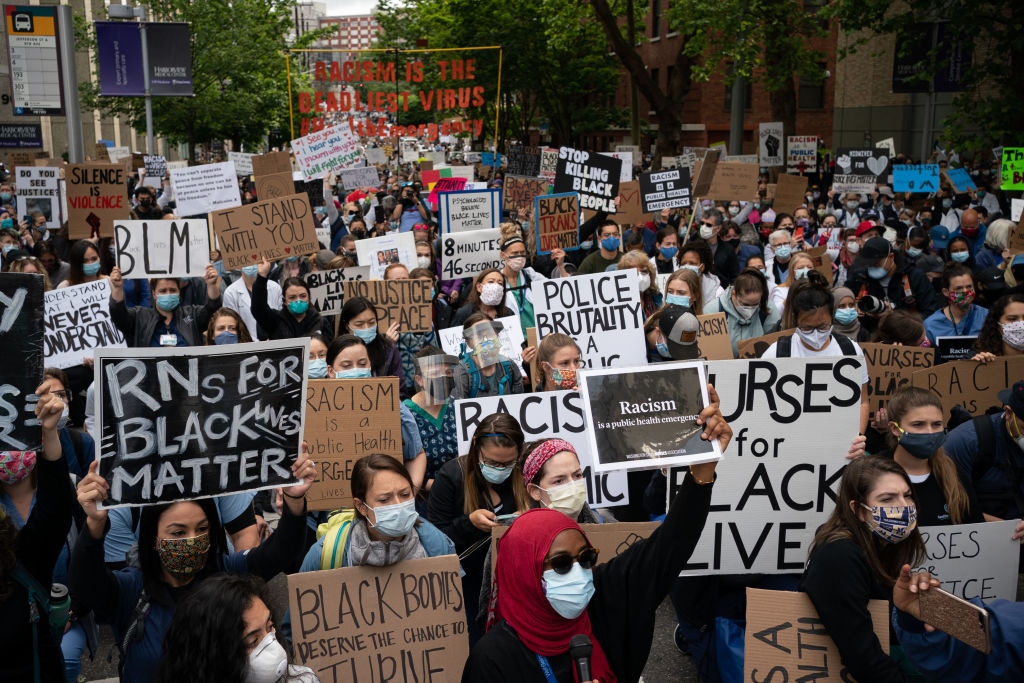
337,7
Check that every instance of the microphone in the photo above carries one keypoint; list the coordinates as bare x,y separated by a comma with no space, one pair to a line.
580,649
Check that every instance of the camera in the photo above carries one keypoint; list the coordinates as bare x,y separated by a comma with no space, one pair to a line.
872,305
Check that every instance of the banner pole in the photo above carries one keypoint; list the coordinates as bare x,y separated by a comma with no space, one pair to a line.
497,103
291,115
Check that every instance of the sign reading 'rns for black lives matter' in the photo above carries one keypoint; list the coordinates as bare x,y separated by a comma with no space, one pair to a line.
177,424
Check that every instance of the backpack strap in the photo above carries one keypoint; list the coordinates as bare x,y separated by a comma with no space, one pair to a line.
986,446
784,346
474,374
845,344
333,553
135,629
506,369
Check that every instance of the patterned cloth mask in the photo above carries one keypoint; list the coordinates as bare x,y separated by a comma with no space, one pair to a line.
16,465
892,523
183,557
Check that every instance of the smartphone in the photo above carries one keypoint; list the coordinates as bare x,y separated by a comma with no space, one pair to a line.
963,620
506,519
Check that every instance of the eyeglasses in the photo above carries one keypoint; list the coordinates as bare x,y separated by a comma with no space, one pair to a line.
819,328
707,225
494,463
562,562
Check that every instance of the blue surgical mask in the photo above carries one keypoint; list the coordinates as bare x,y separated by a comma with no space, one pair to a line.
298,306
921,445
587,245
250,271
913,252
317,368
292,259
395,521
877,272
783,252
8,248
5,197
960,256
677,300
495,475
569,594
167,302
610,243
669,252
695,269
225,337
367,335
353,373
662,348
947,203
981,194
845,316
801,273
91,269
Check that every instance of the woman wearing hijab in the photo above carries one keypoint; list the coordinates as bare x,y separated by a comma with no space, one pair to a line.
547,588
846,319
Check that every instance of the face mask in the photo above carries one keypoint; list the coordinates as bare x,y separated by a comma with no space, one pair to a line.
439,388
91,269
392,226
298,307
5,197
225,337
395,521
367,335
913,252
516,263
563,378
184,557
492,293
569,594
587,246
852,206
801,273
677,300
816,339
892,524
8,248
981,194
733,210
661,346
845,316
268,662
962,299
250,271
487,352
947,203
706,231
65,416
960,256
568,499
610,243
318,368
921,445
423,261
783,252
853,247
167,302
821,213
16,465
669,252
495,475
353,373
877,272
695,269
1013,334
746,312
292,259
644,282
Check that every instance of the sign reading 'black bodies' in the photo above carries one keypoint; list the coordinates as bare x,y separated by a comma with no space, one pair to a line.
594,176
21,337
177,424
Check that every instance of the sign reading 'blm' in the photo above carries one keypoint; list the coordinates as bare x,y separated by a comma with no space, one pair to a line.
21,337
162,248
177,424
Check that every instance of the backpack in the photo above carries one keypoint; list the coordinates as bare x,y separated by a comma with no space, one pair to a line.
784,346
335,532
477,384
986,460
39,605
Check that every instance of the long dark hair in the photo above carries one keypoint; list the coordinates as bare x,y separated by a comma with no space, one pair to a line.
205,639
990,337
884,558
149,560
498,429
377,349
76,258
339,344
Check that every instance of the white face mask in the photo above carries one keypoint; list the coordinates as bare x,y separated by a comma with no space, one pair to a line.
853,247
644,282
423,261
1013,334
492,293
746,312
733,210
816,339
706,231
516,263
568,499
268,662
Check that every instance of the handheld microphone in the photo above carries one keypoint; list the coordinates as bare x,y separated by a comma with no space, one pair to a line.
580,649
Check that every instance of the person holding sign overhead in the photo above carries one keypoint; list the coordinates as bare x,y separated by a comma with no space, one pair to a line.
167,323
296,319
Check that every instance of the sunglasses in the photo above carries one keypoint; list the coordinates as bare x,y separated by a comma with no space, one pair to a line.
562,562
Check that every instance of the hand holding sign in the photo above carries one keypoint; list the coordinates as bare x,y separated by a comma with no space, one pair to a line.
305,469
92,490
715,426
116,284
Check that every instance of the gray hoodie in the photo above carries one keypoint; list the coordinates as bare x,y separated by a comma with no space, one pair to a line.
740,328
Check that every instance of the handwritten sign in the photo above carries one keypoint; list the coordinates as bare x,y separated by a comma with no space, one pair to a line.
917,178
327,287
665,189
39,190
790,192
445,185
177,248
713,341
733,181
77,321
511,339
360,176
325,150
21,337
156,165
406,302
975,386
631,210
594,176
892,367
97,196
960,179
523,160
202,189
1013,168
974,560
274,186
271,229
467,210
558,222
271,163
518,193
242,162
464,254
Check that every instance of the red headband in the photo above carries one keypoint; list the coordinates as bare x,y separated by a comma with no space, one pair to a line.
541,454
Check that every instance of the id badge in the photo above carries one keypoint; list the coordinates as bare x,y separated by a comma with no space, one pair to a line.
168,340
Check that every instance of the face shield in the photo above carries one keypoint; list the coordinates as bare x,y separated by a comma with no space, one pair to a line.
484,342
436,377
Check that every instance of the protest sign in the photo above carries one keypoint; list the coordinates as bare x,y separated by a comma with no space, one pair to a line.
118,152
271,229
775,490
492,159
646,418
518,192
39,190
204,189
314,191
742,158
548,163
178,248
787,640
547,415
180,163
770,139
242,162
631,210
890,367
874,162
156,165
820,258
704,169
531,340
202,421
271,163
466,210
733,181
602,312
444,185
460,172
380,252
664,189
595,177
753,348
510,336
274,186
345,420
1016,242
359,176
626,170
790,192
99,152
557,219
974,560
464,254
1016,211
325,150
375,155
21,338
77,320
960,179
523,160
713,342
888,144
327,287
972,385
434,157
97,196
801,154
1012,168
954,348
612,539
917,178
406,302
404,623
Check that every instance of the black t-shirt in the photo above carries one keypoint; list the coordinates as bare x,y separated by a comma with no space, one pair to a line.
931,503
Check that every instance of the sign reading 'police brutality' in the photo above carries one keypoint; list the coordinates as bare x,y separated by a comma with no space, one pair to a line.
77,320
178,248
602,312
327,287
557,218
774,486
645,418
272,229
21,337
548,415
464,254
403,623
176,424
974,560
665,189
594,176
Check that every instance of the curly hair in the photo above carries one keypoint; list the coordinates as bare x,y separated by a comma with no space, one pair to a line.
990,337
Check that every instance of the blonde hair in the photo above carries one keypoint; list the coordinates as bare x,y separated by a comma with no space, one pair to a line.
19,267
791,277
638,259
692,281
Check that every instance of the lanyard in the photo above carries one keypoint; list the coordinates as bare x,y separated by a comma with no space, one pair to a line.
549,675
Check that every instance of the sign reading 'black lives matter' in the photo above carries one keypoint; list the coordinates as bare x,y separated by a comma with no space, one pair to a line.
177,424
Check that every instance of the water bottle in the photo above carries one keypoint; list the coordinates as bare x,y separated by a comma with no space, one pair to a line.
60,607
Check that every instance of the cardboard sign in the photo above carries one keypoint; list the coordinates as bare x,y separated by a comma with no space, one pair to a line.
713,339
380,252
973,385
271,229
469,210
464,254
325,150
146,249
891,367
405,622
611,539
242,162
790,192
360,176
531,340
77,321
118,152
547,415
646,418
665,190
518,193
631,210
271,163
786,639
1016,242
602,312
770,137
204,189
733,181
523,160
918,178
21,337
202,421
557,219
406,302
274,186
821,259
445,185
960,179
1012,168
594,176
99,152
347,419
327,287
704,170
801,154
954,348
1016,211
754,348
97,196
39,190
548,163
974,560
511,338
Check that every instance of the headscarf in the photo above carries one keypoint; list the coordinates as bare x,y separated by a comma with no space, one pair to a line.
541,454
517,595
853,329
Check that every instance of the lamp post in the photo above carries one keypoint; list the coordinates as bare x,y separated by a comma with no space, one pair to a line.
129,12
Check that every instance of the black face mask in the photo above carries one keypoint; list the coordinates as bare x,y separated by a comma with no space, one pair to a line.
734,243
145,203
